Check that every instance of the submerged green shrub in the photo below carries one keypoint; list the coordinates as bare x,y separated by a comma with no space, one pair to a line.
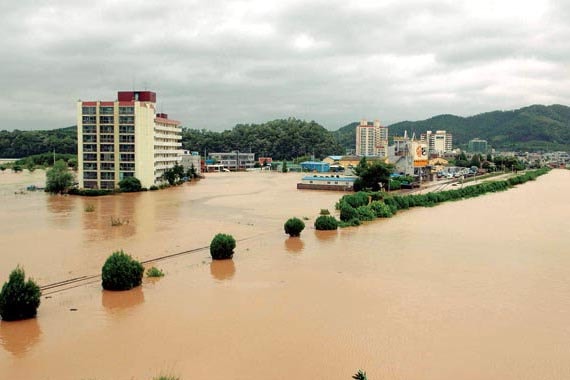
324,211
356,200
347,212
130,185
19,299
121,272
154,272
365,213
381,210
326,223
294,226
222,247
350,223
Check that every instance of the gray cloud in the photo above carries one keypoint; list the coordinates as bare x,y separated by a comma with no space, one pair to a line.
218,63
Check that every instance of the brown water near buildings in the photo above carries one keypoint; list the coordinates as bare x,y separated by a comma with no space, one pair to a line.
477,289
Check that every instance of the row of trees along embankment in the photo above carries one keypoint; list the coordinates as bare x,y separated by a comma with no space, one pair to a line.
366,206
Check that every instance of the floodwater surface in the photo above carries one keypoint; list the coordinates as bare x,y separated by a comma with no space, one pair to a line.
476,289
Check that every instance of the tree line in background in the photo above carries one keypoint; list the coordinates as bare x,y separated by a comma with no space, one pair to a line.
282,139
18,144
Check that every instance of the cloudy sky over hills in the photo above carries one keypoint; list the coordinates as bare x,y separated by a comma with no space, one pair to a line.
217,63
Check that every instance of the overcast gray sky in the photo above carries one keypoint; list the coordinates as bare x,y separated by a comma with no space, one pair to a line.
217,63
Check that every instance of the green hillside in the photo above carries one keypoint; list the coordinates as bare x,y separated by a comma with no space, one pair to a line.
530,128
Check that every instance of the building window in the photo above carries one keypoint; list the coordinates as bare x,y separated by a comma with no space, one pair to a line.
126,110
90,184
127,174
127,129
89,157
106,119
106,110
107,138
107,148
107,157
107,166
106,129
90,175
127,166
90,147
127,157
108,175
89,138
89,110
107,184
126,138
89,119
89,129
126,148
126,119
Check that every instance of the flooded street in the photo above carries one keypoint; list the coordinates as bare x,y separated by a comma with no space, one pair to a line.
476,289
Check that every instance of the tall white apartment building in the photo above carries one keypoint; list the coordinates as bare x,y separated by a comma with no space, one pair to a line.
125,138
371,139
438,143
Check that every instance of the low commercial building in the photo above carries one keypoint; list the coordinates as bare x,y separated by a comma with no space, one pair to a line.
191,159
234,160
335,183
315,166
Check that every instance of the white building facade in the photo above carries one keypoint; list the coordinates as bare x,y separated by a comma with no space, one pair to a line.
439,142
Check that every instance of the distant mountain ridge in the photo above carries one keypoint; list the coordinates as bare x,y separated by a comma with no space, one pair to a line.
531,128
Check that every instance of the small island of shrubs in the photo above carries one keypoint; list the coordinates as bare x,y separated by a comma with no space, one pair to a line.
369,205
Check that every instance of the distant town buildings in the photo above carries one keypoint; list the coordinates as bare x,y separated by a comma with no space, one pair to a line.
408,155
477,146
190,160
371,139
234,160
438,143
125,138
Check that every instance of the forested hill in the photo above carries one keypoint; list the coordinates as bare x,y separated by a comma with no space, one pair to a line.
535,127
17,144
279,139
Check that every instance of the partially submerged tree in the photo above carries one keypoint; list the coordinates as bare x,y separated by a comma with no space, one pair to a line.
19,299
121,272
222,247
294,226
130,184
59,179
372,176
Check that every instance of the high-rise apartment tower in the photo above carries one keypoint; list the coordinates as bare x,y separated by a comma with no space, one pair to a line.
125,138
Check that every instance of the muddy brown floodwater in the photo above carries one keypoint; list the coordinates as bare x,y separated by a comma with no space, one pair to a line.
476,289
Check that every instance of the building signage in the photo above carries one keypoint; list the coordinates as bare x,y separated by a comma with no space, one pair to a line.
419,154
